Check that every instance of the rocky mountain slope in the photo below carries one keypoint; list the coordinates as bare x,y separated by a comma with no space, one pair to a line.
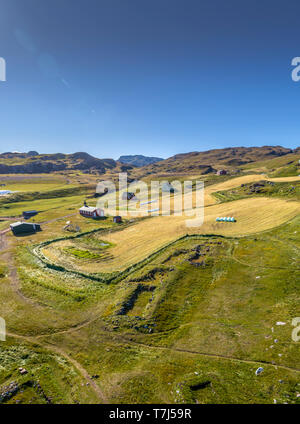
232,158
277,160
138,160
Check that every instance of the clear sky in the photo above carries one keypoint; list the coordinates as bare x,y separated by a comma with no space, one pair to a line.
153,77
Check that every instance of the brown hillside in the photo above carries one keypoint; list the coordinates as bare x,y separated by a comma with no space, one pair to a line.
28,163
211,160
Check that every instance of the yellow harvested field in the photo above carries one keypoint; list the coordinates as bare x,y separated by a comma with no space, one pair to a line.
236,182
253,215
137,242
208,190
284,179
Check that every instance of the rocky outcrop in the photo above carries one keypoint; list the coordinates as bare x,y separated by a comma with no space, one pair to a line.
32,168
139,160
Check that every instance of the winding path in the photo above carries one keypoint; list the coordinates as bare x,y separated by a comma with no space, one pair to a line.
12,271
76,364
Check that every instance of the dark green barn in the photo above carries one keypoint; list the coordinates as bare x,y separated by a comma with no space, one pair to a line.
19,228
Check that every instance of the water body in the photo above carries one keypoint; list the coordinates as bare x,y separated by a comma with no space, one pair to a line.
5,192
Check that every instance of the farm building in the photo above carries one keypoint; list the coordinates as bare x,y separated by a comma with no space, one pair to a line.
117,219
24,228
29,214
128,195
222,172
91,212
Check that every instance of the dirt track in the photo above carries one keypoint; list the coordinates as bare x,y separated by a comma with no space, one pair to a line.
76,364
13,274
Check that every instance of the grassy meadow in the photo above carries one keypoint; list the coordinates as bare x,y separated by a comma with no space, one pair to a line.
188,316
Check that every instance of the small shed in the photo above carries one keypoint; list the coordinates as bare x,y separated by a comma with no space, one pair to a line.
29,214
117,219
19,228
167,188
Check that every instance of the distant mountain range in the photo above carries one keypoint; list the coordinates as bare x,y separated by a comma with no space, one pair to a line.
138,160
233,159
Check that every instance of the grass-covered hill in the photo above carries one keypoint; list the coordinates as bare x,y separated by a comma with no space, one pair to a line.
274,159
32,162
286,190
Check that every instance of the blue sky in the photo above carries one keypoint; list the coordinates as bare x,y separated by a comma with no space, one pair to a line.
153,77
